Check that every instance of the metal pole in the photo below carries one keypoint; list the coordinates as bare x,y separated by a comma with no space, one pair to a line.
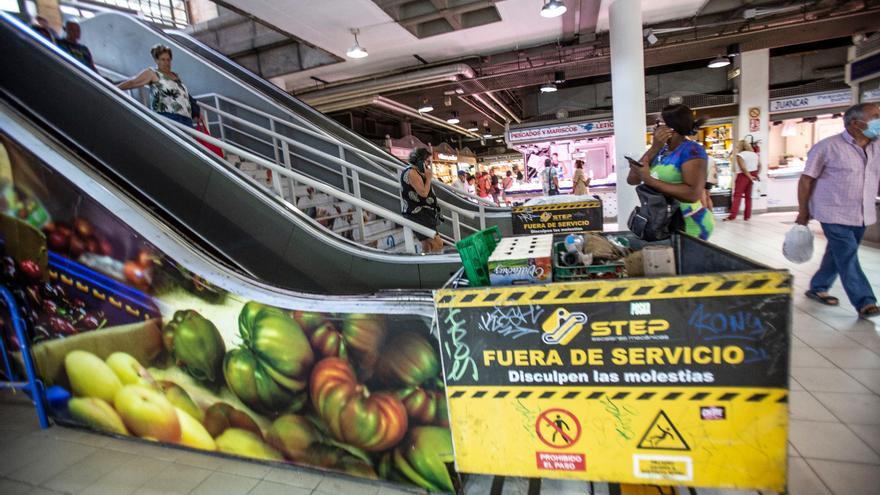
358,210
456,227
285,150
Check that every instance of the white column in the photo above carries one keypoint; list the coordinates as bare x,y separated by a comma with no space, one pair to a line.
628,96
754,92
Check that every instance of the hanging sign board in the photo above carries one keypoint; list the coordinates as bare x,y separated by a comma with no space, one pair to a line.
557,218
754,119
670,380
807,102
560,131
871,95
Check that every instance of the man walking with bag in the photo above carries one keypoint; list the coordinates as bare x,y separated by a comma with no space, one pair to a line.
838,188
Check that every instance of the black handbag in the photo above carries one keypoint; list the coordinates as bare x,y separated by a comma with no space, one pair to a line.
656,217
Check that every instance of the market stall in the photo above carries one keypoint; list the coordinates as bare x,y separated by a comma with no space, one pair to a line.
591,141
445,161
401,148
797,123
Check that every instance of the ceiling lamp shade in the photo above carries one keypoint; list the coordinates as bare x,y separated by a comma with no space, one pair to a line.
474,127
425,107
453,118
553,8
548,87
356,50
719,62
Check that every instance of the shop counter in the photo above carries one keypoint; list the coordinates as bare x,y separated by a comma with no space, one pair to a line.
782,184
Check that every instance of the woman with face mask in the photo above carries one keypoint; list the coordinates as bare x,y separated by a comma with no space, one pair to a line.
418,199
676,167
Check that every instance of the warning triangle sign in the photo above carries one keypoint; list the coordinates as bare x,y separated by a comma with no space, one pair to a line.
662,435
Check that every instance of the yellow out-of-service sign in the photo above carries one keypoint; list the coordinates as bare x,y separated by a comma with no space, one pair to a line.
622,380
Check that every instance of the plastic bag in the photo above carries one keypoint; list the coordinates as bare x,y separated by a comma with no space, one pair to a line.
798,245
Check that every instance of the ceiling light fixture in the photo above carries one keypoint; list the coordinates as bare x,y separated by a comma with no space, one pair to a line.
453,118
548,87
719,62
356,50
553,8
474,127
425,107
487,132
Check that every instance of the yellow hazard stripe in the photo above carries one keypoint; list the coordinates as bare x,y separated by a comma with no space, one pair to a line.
720,395
632,289
561,206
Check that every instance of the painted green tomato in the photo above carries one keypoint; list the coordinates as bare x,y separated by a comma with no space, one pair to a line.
423,455
196,345
269,372
409,359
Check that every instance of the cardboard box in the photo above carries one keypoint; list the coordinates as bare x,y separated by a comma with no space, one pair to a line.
522,260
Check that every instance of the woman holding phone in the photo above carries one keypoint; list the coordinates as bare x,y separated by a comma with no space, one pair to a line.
676,167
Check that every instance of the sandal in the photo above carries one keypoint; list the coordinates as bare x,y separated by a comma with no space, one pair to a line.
869,311
826,299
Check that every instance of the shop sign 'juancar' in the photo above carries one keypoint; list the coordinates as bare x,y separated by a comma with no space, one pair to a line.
676,381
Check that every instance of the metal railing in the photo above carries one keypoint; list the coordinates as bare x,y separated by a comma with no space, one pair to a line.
279,171
372,158
284,148
31,385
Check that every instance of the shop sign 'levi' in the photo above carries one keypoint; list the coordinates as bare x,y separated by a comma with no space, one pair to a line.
676,380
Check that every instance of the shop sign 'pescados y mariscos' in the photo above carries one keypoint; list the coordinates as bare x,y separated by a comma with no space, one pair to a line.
652,389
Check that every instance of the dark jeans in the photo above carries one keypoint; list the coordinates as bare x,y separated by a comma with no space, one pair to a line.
177,118
841,258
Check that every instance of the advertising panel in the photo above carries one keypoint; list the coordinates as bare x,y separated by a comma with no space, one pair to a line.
675,380
148,349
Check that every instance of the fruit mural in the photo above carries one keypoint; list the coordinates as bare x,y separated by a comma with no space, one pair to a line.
165,356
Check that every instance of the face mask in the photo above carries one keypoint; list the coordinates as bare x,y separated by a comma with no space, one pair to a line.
873,129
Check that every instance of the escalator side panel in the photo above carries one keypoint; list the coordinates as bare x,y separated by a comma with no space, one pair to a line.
250,232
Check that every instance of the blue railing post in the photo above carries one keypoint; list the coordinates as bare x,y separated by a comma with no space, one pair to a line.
32,384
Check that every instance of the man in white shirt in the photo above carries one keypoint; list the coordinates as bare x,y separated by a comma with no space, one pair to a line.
461,184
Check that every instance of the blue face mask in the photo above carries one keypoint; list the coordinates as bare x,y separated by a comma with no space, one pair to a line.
873,129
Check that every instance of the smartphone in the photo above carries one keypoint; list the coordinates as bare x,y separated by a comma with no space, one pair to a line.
634,163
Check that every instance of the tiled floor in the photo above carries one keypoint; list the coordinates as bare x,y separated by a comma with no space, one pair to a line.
834,435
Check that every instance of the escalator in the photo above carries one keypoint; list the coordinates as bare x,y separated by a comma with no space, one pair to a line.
199,354
201,193
121,43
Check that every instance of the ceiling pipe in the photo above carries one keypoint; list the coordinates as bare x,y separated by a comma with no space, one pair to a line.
480,110
491,107
409,80
399,108
504,107
394,106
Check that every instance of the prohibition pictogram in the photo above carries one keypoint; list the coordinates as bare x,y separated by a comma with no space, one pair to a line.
558,428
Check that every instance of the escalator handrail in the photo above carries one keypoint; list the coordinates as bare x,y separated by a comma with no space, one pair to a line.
327,189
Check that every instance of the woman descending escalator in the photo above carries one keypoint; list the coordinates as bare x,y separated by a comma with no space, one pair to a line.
418,199
168,95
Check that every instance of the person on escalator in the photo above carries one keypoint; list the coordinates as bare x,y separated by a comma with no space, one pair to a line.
168,96
418,199
70,44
